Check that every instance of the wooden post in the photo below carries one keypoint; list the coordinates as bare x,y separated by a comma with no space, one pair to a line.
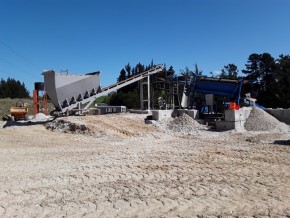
35,102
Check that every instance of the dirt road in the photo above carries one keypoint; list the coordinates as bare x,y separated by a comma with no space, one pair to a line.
125,168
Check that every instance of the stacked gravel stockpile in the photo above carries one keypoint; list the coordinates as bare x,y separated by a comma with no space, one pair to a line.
183,124
259,120
61,125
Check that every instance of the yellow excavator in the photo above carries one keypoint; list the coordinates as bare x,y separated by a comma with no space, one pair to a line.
19,111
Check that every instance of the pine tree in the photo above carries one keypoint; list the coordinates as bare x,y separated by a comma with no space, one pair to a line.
128,70
230,71
122,75
12,88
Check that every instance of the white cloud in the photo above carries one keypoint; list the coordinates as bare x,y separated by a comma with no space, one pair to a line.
216,72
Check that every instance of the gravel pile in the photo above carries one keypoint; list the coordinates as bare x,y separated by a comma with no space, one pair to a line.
41,117
260,120
183,124
61,125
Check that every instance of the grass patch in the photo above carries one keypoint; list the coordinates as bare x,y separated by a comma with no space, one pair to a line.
101,99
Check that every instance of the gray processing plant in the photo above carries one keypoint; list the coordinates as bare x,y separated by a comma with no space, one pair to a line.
69,93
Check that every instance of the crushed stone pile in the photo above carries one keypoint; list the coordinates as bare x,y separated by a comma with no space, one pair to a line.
41,117
260,120
61,125
183,124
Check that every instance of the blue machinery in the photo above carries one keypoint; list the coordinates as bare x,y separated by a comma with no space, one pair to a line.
222,87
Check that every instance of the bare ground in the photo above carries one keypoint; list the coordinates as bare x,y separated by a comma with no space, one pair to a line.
125,168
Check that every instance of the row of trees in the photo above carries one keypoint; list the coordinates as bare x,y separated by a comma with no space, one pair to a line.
266,78
12,88
270,78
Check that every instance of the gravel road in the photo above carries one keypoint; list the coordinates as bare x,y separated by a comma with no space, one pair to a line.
121,167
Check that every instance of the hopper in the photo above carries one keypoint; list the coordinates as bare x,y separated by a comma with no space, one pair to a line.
66,89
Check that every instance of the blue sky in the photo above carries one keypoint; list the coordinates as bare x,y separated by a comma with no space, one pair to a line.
90,35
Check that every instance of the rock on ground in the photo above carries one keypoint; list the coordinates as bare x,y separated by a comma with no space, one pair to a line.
65,126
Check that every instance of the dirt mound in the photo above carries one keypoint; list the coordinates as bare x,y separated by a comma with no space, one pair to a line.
65,126
183,124
259,120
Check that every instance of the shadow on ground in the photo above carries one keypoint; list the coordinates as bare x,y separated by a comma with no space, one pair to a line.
282,142
25,123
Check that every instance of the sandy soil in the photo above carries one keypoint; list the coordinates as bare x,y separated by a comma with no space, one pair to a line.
125,168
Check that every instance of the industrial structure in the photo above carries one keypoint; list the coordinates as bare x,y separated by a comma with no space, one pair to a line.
160,92
68,92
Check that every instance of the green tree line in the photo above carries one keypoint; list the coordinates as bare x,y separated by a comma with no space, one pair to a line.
12,88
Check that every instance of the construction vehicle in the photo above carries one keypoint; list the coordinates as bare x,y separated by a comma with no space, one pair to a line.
19,111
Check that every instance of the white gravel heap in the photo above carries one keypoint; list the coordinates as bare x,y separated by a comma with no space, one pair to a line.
61,125
260,120
183,124
41,117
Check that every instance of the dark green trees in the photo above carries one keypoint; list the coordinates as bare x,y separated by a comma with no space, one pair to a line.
260,67
230,71
129,95
270,79
12,88
122,75
282,76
